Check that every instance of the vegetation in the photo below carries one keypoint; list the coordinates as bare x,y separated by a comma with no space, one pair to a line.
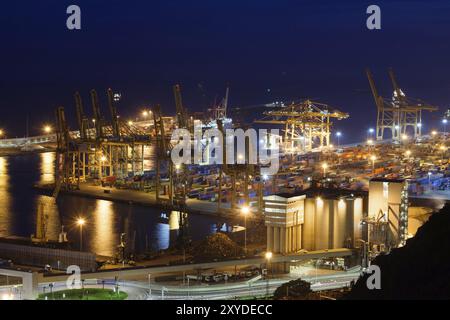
84,294
216,246
296,290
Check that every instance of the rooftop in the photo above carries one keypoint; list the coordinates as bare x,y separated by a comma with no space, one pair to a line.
326,193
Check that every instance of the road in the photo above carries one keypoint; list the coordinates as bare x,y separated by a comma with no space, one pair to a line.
139,290
239,290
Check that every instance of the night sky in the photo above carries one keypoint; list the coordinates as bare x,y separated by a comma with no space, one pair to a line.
316,49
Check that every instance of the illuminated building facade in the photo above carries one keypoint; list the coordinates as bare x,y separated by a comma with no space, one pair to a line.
315,219
388,205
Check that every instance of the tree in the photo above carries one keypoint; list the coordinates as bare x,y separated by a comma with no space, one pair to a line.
217,246
295,289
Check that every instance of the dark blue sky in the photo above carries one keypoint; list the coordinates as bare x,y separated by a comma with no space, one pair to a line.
317,49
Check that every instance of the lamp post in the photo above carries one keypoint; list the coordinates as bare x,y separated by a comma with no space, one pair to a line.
373,158
443,149
80,223
149,286
47,129
444,121
102,161
245,211
189,293
429,180
371,131
268,257
338,135
324,167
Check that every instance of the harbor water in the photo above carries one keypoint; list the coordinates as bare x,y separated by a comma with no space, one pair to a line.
145,228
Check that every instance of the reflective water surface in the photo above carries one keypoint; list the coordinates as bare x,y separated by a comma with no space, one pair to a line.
105,220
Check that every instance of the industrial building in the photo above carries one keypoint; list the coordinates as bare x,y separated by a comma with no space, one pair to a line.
313,219
388,212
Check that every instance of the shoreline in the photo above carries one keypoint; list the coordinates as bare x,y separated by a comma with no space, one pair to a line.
139,198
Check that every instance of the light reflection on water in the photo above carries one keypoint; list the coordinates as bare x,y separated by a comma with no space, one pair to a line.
105,220
5,198
47,167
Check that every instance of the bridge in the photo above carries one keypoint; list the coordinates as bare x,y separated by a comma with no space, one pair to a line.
50,138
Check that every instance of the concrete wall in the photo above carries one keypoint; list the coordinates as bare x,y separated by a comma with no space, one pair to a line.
308,228
41,256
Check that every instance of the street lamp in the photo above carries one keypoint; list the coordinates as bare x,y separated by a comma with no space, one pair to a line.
444,121
47,129
268,257
429,180
1,133
338,135
102,166
434,133
245,211
149,286
408,153
373,158
324,167
81,223
443,149
370,132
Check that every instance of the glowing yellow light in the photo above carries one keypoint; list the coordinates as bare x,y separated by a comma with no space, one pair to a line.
245,210
102,158
373,158
324,166
408,152
404,137
434,132
369,142
177,166
1,132
144,113
47,129
268,255
81,222
130,123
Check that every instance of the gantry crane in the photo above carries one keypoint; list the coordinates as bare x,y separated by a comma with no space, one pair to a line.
106,149
398,113
304,123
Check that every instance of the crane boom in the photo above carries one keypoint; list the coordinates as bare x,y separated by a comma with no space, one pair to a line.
398,92
97,115
181,112
81,118
378,99
113,111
